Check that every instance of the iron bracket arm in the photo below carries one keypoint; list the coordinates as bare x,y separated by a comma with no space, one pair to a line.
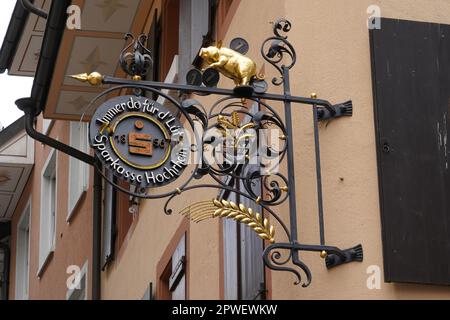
223,92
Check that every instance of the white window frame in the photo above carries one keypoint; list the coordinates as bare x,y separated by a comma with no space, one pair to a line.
70,295
178,263
47,228
22,280
78,170
46,125
172,77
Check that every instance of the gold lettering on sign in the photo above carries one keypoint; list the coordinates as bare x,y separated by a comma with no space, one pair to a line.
140,144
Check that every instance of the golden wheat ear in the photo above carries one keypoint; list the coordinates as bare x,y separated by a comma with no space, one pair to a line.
204,210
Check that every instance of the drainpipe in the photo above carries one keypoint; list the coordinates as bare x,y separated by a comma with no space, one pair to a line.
5,284
27,105
97,233
33,9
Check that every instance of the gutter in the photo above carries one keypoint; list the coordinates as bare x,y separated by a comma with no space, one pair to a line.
51,43
12,37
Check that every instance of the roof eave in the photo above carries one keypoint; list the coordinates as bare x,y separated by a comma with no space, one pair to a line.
12,130
13,35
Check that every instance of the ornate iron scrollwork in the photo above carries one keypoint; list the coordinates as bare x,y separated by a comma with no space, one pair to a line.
235,123
136,59
275,50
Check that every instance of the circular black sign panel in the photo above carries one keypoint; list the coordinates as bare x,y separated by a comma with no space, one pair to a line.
239,45
194,77
211,77
139,140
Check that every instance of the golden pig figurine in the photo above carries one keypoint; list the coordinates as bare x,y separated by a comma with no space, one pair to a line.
230,63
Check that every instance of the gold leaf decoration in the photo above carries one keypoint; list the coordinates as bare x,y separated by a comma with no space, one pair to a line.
235,119
204,210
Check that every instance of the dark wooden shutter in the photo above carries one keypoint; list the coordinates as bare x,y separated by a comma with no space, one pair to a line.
154,38
411,82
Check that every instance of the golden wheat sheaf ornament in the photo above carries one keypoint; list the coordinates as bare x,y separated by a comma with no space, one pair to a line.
203,210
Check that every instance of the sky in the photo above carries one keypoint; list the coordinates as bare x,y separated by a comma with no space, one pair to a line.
11,88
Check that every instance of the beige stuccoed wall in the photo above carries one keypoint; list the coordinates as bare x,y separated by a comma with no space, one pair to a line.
73,246
332,43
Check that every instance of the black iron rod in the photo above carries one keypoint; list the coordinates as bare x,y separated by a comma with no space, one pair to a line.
97,233
290,157
318,175
307,247
223,92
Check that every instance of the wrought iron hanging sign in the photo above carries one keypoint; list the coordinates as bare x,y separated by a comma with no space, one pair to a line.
241,149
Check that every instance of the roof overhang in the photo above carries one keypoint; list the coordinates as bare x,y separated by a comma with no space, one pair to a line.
95,47
16,163
22,44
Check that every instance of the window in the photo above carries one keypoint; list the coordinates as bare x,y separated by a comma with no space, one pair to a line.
123,214
173,266
80,291
194,25
169,36
23,254
78,170
181,31
172,77
117,218
243,265
225,11
172,281
153,44
47,231
411,82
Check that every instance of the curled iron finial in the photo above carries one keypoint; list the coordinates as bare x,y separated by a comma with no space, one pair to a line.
136,59
282,25
273,259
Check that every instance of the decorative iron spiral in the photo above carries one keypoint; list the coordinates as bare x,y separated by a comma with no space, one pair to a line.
275,49
273,258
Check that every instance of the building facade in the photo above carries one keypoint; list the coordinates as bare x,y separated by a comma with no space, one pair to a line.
384,170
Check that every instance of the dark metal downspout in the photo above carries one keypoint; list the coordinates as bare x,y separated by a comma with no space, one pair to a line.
27,105
97,233
6,263
33,9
